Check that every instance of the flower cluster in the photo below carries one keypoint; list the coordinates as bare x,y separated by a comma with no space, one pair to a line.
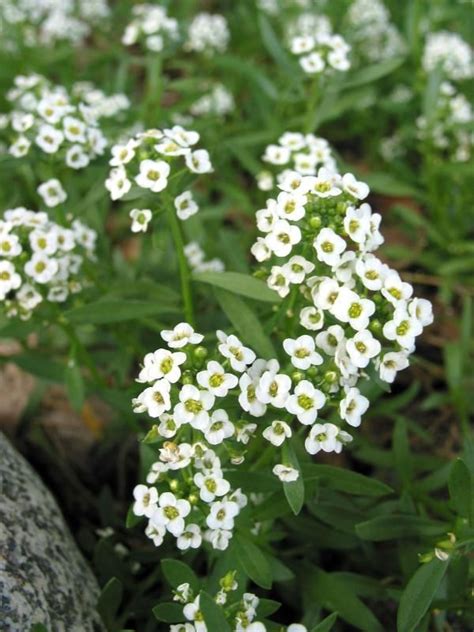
196,258
45,22
152,27
303,153
217,102
40,260
309,24
146,162
100,104
241,614
323,237
321,53
372,32
448,130
208,33
451,52
46,118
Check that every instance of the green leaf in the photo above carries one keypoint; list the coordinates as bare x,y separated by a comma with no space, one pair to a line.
395,526
332,594
294,491
177,572
74,385
273,45
109,601
372,73
246,323
239,283
253,561
132,520
419,593
326,624
461,490
266,607
401,451
213,614
169,612
152,436
389,185
346,481
41,366
103,312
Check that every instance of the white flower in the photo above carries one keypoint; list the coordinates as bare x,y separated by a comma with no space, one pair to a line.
20,147
291,206
372,272
350,308
9,244
219,538
396,290
421,310
325,292
190,538
403,328
9,279
155,399
183,334
193,406
297,627
210,486
322,437
52,192
297,268
171,513
390,364
175,456
222,514
123,154
76,157
238,355
74,129
49,139
357,223
277,432
162,364
357,189
266,217
220,428
329,339
141,217
153,175
324,185
305,402
216,380
311,318
41,268
248,399
362,348
185,205
301,352
155,533
146,500
168,426
353,406
282,238
273,388
286,474
302,44
198,161
312,63
260,250
329,246
44,241
117,183
279,280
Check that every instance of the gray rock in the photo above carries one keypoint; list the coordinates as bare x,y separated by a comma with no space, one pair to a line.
43,576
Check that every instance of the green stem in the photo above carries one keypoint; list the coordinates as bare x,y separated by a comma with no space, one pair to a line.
311,107
182,263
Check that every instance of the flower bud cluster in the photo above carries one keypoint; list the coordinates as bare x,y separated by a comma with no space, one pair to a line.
47,118
448,130
451,52
151,27
321,53
100,104
304,153
217,102
196,258
149,161
241,613
208,33
40,260
323,237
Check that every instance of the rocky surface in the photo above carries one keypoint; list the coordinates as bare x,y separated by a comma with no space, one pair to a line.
43,577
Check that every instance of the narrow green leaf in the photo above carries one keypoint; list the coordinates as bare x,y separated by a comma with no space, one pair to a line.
109,601
395,526
169,612
401,452
103,312
213,614
373,73
239,283
41,366
253,561
132,520
294,491
246,323
266,607
326,624
74,385
177,572
273,45
419,593
389,185
461,490
346,481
